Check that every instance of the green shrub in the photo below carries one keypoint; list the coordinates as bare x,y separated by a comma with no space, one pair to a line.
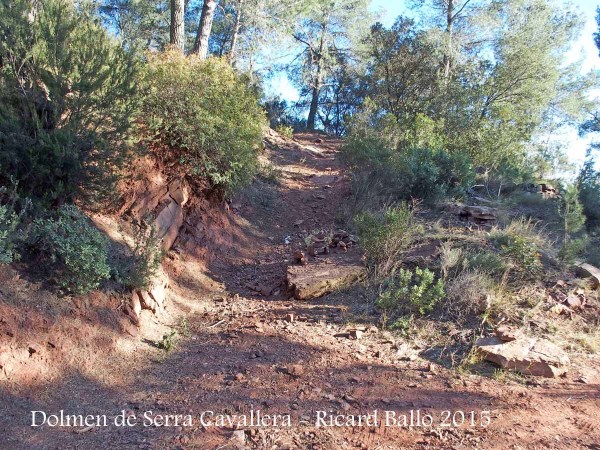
145,262
8,225
431,175
67,98
384,236
573,249
572,213
405,169
521,244
77,252
285,131
588,184
487,263
206,116
167,343
413,292
410,161
12,211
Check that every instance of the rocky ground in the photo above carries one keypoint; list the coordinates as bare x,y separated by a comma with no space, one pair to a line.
244,343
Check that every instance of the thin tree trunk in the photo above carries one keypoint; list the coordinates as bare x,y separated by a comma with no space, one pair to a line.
236,31
204,29
314,103
177,24
449,31
314,106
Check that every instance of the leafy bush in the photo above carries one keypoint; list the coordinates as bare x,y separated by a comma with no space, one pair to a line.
12,213
571,211
206,115
431,174
410,164
384,236
521,244
67,98
411,173
285,131
588,184
487,263
8,225
145,263
77,251
573,249
167,343
413,292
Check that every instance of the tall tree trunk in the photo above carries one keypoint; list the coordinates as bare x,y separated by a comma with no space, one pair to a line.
204,28
177,24
317,82
236,31
449,31
314,106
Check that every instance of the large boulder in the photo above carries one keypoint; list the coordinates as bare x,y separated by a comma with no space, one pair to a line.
528,355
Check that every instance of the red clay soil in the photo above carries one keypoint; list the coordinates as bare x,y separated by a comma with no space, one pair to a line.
249,347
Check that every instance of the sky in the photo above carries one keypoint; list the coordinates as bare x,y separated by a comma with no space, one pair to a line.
584,50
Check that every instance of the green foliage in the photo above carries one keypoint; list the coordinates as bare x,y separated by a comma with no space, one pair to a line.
520,243
588,184
432,174
384,236
10,219
571,211
285,131
205,115
414,292
403,324
573,248
77,252
147,256
167,343
8,225
405,170
67,98
500,83
487,263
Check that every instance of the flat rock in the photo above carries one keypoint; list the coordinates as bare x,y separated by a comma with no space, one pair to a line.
506,333
316,280
478,213
530,356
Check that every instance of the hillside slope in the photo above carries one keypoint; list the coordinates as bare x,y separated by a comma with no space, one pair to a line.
244,343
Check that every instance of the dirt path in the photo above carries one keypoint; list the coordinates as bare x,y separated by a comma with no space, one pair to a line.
240,351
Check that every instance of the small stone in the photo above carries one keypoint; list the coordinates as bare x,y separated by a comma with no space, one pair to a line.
238,437
506,333
574,301
239,376
295,370
355,334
